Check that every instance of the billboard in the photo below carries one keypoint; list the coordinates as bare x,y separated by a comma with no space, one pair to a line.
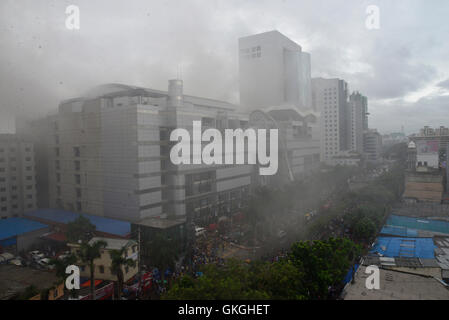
423,146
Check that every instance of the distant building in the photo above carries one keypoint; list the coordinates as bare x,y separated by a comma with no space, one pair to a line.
299,142
394,138
273,71
330,99
17,176
372,145
347,158
358,121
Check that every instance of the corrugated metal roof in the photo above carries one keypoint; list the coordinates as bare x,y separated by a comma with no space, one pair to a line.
12,227
102,224
419,224
405,247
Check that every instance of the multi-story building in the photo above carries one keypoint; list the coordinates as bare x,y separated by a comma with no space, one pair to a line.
17,176
103,264
274,71
330,99
372,145
38,132
299,142
358,121
109,156
432,141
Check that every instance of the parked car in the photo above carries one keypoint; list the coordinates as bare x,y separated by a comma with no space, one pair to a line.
16,262
45,263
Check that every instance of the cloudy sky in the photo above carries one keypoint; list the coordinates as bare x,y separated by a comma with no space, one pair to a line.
402,67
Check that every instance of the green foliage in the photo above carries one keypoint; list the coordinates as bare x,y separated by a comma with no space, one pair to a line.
323,264
28,293
80,229
161,252
87,254
61,265
311,268
364,229
118,261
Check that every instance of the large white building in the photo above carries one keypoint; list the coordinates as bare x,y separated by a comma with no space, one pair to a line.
17,176
109,156
330,99
274,71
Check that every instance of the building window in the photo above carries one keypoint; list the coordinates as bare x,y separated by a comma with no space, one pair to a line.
76,151
77,165
101,268
77,179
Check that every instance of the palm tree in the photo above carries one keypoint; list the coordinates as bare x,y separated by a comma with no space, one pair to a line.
61,266
118,262
88,253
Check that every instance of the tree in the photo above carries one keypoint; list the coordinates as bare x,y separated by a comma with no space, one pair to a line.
80,229
61,266
118,262
161,252
88,253
364,229
323,264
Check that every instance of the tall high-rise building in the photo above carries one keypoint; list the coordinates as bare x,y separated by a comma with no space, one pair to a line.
17,176
330,98
358,121
273,72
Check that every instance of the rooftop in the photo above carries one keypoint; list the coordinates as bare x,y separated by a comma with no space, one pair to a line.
395,285
114,244
12,227
106,225
160,223
404,247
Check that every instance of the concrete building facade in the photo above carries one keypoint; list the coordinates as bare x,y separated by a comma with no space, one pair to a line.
17,176
358,121
109,155
273,71
330,99
372,145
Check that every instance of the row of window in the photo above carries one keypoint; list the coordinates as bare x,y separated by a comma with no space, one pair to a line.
27,149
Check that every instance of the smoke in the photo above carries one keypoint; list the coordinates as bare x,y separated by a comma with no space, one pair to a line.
145,43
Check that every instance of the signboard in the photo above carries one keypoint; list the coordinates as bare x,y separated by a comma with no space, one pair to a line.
102,293
427,146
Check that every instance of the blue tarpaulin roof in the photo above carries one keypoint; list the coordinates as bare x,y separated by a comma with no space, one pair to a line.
399,231
102,224
419,224
12,227
349,275
394,247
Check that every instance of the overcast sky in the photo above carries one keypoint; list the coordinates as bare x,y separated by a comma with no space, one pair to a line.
402,67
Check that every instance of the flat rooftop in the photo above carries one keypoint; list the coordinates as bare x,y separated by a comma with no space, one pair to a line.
160,223
395,285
